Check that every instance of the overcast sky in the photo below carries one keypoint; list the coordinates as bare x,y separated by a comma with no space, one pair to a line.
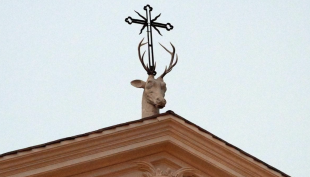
243,72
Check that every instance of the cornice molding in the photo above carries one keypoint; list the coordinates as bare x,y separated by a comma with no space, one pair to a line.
166,133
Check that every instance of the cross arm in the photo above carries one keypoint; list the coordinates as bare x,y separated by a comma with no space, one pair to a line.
168,26
130,20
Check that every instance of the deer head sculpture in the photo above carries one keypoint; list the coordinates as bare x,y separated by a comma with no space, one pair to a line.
153,97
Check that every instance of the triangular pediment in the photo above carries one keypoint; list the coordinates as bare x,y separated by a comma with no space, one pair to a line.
165,145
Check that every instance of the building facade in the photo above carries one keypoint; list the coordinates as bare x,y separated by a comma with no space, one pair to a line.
164,145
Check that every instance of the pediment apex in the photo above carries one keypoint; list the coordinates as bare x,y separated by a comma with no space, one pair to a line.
162,133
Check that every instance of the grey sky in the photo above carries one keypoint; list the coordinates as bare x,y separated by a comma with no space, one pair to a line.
243,71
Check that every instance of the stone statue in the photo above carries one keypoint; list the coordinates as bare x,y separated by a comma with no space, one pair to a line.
153,97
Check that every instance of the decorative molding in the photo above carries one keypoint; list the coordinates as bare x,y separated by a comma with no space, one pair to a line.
150,171
133,141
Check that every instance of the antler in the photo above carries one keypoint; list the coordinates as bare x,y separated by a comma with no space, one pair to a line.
171,65
147,68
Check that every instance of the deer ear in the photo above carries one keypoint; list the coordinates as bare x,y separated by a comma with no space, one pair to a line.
138,83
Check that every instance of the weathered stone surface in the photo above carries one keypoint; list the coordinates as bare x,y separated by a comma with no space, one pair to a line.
153,97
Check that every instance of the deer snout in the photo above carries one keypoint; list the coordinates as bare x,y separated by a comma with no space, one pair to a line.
160,102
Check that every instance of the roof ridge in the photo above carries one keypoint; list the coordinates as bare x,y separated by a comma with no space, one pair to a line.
141,120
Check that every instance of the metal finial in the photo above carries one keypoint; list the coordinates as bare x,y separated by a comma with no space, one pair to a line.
149,23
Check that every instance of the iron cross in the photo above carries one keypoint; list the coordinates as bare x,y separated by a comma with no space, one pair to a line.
149,23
